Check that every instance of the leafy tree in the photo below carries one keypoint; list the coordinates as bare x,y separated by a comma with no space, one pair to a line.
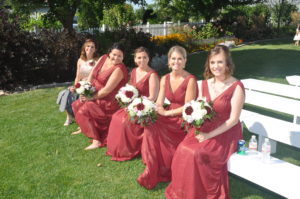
65,10
282,10
119,15
208,9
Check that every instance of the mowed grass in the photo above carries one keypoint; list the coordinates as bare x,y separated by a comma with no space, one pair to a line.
40,159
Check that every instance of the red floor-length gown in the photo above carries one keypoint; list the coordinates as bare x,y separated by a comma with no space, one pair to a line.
93,117
161,139
124,137
199,169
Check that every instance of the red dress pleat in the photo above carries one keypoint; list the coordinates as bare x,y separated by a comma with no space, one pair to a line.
161,139
199,169
93,117
124,137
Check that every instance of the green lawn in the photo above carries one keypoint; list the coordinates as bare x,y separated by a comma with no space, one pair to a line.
40,159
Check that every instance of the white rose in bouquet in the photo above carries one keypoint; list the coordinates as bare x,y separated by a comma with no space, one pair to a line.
142,111
196,112
85,88
126,95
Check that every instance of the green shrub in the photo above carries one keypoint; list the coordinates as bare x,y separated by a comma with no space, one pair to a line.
248,22
30,59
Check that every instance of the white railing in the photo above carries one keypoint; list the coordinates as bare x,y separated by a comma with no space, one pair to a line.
153,29
162,29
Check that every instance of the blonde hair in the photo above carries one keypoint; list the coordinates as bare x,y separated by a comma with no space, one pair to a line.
215,51
179,50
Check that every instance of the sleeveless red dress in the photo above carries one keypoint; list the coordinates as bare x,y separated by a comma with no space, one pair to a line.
93,117
161,139
124,137
199,169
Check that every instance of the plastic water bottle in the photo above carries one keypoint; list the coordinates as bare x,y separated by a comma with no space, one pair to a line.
253,145
266,150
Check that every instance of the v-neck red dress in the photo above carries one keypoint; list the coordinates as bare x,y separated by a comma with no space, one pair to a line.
124,137
93,117
199,169
161,139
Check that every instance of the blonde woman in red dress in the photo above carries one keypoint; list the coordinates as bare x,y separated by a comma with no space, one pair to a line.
125,138
94,115
161,139
199,166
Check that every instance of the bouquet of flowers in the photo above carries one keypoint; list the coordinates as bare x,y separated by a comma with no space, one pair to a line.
85,88
195,113
126,95
142,111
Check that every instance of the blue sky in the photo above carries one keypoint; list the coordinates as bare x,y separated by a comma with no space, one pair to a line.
147,1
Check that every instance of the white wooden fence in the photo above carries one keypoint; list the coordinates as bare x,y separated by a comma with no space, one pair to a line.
162,29
153,29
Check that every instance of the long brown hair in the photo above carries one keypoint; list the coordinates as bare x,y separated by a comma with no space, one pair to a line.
83,54
215,51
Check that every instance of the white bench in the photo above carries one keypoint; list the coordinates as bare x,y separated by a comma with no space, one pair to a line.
272,88
278,176
265,126
293,80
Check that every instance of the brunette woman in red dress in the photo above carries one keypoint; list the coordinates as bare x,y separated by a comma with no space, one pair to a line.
94,115
160,139
199,166
124,137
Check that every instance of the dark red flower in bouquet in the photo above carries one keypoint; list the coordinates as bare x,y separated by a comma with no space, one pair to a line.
189,110
77,85
208,109
129,94
140,106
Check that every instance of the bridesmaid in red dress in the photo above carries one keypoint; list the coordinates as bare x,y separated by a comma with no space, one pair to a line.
199,167
161,139
93,115
125,138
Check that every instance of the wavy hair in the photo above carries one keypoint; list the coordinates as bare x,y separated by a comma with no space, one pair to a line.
229,63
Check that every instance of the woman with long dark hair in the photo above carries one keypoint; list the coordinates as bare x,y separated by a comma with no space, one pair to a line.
93,115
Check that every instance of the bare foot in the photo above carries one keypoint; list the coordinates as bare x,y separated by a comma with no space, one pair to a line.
76,132
94,145
68,121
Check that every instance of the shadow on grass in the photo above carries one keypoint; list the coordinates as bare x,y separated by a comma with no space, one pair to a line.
260,61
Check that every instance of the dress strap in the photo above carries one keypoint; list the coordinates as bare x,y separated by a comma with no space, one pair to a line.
99,65
132,76
239,83
124,70
150,73
204,89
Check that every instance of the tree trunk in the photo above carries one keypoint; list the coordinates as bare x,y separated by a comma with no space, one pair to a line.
279,15
67,22
64,11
